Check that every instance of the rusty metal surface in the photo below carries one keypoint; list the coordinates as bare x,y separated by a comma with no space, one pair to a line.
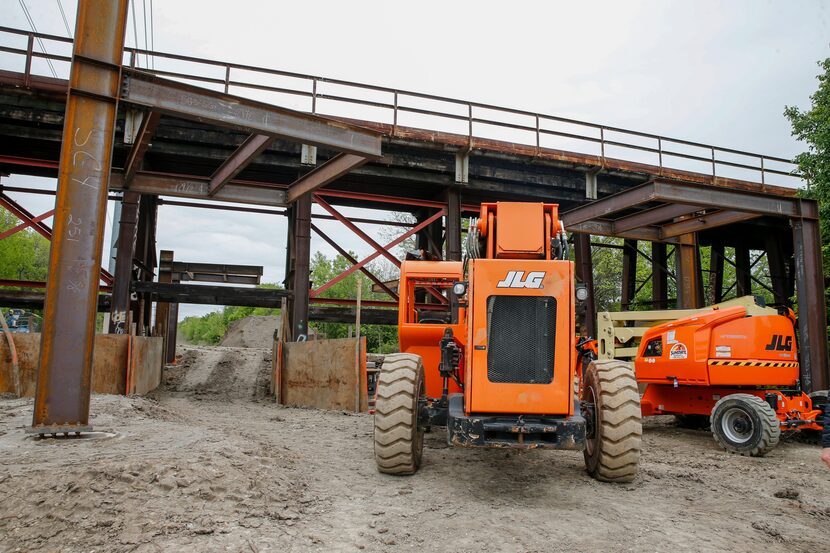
67,342
594,140
125,251
206,106
245,154
142,143
323,174
198,188
812,315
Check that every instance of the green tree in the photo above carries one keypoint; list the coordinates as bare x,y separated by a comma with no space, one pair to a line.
23,255
813,128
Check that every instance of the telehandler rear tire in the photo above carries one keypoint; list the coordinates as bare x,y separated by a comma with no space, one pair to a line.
399,439
615,430
810,436
745,424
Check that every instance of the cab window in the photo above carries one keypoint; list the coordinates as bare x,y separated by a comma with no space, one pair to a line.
654,348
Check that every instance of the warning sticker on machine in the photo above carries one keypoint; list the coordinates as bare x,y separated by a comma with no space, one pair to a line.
723,351
678,351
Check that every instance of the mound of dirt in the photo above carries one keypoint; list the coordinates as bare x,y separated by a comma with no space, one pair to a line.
255,331
224,372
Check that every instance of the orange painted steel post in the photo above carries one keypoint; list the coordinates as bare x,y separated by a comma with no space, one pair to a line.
65,369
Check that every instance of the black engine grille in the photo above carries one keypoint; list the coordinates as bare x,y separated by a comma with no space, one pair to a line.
521,336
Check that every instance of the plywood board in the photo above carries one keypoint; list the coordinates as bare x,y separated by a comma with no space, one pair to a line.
145,364
109,362
321,374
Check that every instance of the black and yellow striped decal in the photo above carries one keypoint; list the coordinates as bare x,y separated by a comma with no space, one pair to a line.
787,364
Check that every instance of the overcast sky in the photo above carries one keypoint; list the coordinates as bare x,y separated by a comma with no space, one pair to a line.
706,71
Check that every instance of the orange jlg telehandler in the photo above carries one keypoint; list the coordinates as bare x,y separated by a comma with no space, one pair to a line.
489,352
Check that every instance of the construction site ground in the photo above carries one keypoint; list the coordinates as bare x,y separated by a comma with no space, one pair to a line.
210,463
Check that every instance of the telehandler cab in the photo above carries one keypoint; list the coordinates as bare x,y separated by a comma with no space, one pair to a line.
489,352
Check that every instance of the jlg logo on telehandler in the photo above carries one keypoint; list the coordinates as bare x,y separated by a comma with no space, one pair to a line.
514,280
780,343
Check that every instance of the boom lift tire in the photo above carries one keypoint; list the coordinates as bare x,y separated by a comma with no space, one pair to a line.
399,440
612,452
745,424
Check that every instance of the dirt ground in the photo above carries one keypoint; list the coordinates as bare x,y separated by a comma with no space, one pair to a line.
255,331
208,463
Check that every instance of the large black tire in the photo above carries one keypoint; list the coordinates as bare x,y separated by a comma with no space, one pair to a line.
399,441
692,422
615,430
745,424
810,436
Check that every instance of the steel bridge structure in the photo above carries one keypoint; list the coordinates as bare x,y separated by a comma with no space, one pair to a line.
236,137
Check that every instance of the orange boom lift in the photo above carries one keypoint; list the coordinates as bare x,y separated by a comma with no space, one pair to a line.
734,368
489,352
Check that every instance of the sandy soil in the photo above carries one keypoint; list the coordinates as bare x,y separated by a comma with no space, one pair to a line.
256,331
209,464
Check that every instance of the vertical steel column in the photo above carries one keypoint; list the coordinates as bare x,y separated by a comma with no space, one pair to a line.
146,253
629,273
453,225
687,268
777,262
585,274
67,341
125,251
162,307
172,330
301,248
716,273
743,277
812,313
659,276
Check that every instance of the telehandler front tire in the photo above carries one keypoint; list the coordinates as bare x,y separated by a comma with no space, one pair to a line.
745,424
615,429
399,439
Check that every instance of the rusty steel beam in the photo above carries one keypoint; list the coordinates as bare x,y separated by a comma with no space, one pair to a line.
206,106
209,295
38,225
584,270
26,224
323,174
453,225
606,228
24,215
350,258
376,254
743,271
140,146
659,276
354,228
653,216
687,268
697,223
125,251
67,341
721,198
198,188
604,208
629,274
812,310
716,273
300,284
244,155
